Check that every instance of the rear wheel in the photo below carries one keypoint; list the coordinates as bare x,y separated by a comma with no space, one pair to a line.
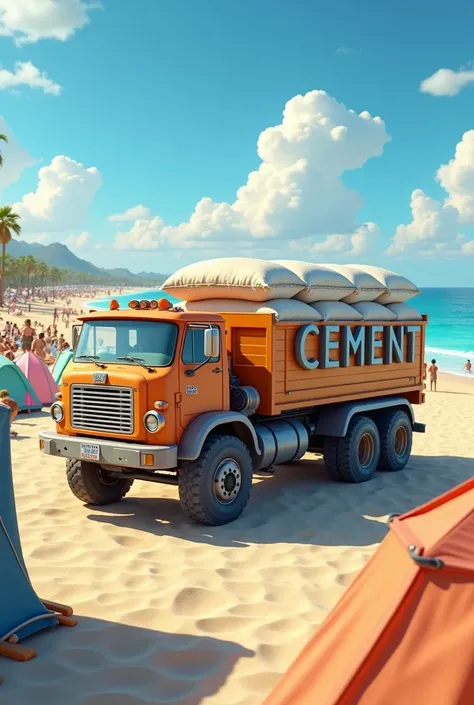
215,488
93,485
353,458
396,435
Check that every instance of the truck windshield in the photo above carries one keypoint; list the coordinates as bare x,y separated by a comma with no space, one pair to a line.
153,342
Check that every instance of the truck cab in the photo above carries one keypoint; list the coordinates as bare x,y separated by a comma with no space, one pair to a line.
202,400
129,368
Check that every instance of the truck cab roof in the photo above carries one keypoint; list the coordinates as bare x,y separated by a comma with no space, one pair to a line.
151,315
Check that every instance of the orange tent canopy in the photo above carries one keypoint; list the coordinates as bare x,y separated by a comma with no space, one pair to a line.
403,633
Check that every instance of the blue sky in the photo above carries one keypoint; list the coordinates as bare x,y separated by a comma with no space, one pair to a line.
167,100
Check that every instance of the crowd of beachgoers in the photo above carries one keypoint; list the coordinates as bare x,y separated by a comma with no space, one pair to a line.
40,321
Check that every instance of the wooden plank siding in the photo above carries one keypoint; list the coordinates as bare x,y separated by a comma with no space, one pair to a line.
262,355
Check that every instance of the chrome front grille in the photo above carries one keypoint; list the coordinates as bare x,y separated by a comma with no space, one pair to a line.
103,409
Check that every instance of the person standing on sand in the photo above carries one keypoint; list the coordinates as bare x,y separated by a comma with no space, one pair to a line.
27,335
53,351
433,375
39,345
468,367
6,400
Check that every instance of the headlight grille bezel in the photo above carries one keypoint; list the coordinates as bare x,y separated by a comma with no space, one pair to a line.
159,418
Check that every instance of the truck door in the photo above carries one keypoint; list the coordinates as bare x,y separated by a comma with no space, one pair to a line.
203,391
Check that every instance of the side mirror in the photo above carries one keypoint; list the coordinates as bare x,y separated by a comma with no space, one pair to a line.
212,342
76,332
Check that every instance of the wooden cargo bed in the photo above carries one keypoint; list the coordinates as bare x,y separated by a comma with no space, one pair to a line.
262,354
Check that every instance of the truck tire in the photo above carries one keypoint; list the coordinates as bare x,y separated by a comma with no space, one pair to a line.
330,458
92,485
214,489
396,436
355,457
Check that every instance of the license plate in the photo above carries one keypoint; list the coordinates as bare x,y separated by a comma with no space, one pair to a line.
90,451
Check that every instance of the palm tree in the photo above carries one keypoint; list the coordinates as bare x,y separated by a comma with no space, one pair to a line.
4,138
56,276
12,271
42,271
29,263
8,224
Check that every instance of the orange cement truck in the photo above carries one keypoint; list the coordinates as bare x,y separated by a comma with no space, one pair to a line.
204,400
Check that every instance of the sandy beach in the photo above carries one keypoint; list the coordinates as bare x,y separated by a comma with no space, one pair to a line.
171,612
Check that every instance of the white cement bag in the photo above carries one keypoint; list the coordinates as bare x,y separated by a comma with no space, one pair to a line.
336,311
234,278
284,309
372,311
404,312
323,283
398,288
368,288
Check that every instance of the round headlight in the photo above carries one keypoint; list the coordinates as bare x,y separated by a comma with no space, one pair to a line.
154,421
57,412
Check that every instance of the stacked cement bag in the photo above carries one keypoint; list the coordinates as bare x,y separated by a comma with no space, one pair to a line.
240,285
293,290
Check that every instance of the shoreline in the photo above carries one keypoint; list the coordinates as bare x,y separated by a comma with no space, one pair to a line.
451,382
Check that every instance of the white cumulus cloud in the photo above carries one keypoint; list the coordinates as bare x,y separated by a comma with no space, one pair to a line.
15,158
355,244
131,214
65,191
27,74
78,242
436,227
432,223
447,82
457,178
28,21
297,191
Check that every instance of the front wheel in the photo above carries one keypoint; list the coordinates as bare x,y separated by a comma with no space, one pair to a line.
214,489
93,485
355,457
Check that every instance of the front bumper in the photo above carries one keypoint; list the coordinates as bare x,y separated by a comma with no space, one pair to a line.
127,455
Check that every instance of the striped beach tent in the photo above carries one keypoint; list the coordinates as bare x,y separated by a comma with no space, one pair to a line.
19,388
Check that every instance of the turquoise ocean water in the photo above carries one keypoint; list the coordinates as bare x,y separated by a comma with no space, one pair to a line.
125,298
450,333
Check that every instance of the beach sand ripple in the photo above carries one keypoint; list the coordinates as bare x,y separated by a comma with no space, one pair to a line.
170,612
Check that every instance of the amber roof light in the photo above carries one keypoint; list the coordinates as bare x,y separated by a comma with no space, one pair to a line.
114,305
164,305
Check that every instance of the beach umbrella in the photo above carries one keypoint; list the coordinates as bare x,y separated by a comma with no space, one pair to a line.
403,631
19,388
61,363
38,374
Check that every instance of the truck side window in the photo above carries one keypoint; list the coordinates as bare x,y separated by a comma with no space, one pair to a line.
193,348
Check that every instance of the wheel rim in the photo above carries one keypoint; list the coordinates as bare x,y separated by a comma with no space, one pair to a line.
401,441
105,478
227,481
366,450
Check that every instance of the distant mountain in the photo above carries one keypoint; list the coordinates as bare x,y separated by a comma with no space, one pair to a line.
60,256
